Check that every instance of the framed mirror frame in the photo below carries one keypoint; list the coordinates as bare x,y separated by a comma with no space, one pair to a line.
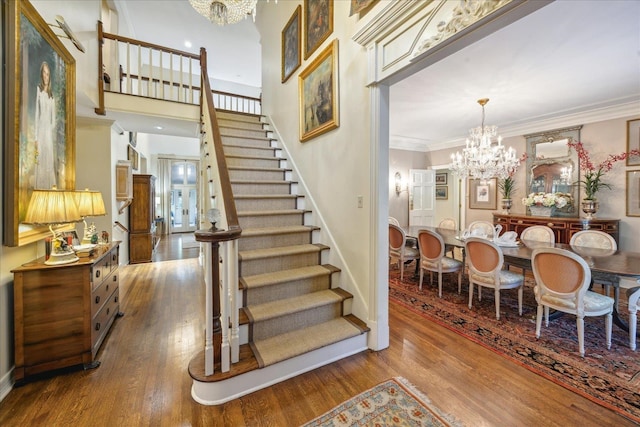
561,159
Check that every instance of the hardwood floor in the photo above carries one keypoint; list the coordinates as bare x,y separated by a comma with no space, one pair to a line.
143,377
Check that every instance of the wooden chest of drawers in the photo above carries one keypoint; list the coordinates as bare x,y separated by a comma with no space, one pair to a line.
62,313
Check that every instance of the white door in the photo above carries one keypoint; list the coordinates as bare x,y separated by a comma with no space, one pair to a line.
184,196
422,196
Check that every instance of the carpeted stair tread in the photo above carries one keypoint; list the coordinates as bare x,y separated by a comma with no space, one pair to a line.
255,138
253,168
258,181
280,251
282,276
247,157
273,212
267,196
291,344
283,307
265,231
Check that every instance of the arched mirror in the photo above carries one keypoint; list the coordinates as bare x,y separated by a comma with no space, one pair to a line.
552,167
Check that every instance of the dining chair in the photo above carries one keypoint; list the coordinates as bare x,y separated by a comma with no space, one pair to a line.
486,227
633,296
562,282
537,233
601,240
398,249
394,221
433,260
449,224
485,261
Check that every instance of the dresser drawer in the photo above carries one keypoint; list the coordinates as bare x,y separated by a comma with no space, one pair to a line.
101,294
101,322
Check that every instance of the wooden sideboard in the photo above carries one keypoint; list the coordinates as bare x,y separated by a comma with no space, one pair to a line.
62,313
563,227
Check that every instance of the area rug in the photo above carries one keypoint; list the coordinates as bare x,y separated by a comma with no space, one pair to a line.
610,378
394,402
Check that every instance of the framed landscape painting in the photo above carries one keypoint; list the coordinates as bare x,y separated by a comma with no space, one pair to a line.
442,192
482,194
291,45
318,24
318,89
39,135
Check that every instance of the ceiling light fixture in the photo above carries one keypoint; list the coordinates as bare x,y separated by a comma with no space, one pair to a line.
224,12
481,158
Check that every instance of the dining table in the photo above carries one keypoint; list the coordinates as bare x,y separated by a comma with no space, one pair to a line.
606,264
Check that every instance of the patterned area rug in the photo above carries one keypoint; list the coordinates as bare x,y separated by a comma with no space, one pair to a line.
610,378
395,402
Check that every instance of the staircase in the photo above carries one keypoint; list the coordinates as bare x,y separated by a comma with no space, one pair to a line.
293,317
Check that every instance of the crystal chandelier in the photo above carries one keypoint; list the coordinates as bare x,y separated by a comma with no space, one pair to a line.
481,158
223,12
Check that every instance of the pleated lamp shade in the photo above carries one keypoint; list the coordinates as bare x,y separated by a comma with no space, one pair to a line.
90,203
50,207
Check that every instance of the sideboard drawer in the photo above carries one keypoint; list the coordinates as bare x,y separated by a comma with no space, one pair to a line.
100,296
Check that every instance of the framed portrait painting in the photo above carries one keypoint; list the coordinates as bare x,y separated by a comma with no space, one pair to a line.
318,94
633,141
482,194
318,24
39,117
291,45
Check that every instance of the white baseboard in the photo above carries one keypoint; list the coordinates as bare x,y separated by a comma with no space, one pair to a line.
6,385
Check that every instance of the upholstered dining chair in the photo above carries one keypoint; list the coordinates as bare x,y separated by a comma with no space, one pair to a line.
449,224
398,249
601,240
537,233
485,261
634,304
486,227
394,221
432,259
562,282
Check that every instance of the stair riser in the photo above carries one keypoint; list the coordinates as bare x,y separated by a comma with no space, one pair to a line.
271,220
257,175
291,289
224,117
269,265
258,188
234,131
265,204
246,142
269,328
267,162
231,150
274,241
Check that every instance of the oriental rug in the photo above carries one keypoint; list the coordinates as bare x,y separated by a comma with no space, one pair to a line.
610,378
394,402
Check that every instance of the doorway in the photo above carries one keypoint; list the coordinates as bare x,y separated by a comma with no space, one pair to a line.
184,196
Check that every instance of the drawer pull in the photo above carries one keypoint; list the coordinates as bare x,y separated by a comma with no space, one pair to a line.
98,326
520,221
98,299
107,288
116,299
115,277
113,257
550,224
97,273
108,310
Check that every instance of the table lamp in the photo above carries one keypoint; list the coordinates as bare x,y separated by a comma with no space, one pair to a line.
90,203
54,207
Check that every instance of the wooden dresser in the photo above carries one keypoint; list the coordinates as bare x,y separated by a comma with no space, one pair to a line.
62,313
563,227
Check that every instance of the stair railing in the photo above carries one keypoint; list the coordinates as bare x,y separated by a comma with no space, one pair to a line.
221,254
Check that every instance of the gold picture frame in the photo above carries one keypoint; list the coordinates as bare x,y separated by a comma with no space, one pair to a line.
633,193
442,192
633,141
319,94
291,45
483,194
39,77
318,24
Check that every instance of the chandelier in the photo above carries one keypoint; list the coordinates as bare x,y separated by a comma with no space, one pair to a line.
481,158
223,12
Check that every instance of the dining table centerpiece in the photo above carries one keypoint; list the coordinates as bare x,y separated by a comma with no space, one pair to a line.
545,204
592,175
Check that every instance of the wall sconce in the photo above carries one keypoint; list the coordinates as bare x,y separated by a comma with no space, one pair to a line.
398,183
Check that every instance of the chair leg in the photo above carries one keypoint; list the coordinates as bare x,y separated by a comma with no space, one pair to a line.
439,284
470,293
497,298
633,321
539,320
608,321
580,324
421,276
520,294
459,281
401,267
546,316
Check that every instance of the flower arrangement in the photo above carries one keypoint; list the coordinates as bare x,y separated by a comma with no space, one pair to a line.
593,174
559,200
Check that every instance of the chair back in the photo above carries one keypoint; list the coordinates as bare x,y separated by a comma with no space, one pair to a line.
593,239
448,223
397,239
394,221
431,245
560,273
485,226
538,233
484,257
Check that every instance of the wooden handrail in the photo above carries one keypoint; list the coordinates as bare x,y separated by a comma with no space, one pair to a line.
150,45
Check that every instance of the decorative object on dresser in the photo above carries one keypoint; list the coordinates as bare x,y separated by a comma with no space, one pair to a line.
142,236
545,204
62,313
90,203
563,227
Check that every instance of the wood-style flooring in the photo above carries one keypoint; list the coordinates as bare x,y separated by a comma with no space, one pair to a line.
143,378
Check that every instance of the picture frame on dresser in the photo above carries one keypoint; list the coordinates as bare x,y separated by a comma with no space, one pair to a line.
39,118
483,194
633,193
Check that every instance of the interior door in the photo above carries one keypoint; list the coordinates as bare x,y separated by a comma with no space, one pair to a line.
422,196
184,197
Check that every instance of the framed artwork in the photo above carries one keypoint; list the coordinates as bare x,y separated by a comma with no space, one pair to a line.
358,6
318,89
442,192
441,179
633,193
39,135
482,194
133,138
133,157
291,45
633,141
318,24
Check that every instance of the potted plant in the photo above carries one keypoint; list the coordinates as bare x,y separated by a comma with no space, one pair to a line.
507,187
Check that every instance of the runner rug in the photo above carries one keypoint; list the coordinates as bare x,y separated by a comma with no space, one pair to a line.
610,378
394,402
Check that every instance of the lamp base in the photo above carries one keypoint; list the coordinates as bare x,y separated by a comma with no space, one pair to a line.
58,258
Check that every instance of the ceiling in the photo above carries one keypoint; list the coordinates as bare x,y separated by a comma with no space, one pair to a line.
561,61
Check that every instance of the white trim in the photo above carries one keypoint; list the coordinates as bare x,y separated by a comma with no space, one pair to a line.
5,384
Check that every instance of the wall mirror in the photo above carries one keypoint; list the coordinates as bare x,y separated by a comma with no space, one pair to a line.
554,168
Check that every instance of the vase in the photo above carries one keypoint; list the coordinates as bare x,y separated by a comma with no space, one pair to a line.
506,205
589,207
542,210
